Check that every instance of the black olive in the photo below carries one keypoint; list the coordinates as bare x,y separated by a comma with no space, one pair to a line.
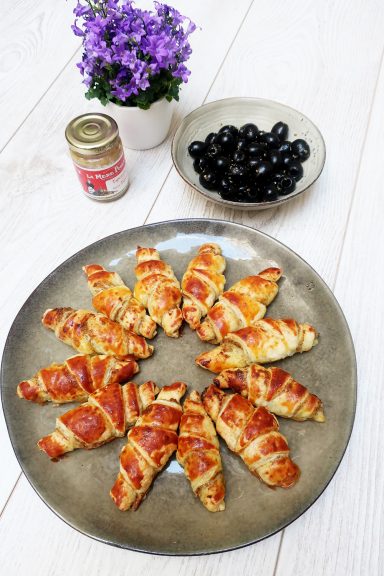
264,169
211,138
295,169
225,184
220,163
213,151
242,193
286,159
229,128
277,176
238,170
281,130
285,147
253,163
242,144
208,180
300,149
197,148
254,193
286,185
269,193
226,141
227,189
274,157
249,132
201,164
256,150
228,194
271,140
238,156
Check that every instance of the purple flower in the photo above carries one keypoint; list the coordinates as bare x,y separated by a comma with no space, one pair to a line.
127,50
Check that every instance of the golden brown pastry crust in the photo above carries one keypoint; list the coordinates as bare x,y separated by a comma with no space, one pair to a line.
240,306
114,299
202,283
198,453
76,378
275,389
91,333
267,341
158,289
253,434
106,415
151,442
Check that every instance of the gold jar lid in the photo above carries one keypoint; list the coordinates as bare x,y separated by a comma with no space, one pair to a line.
91,133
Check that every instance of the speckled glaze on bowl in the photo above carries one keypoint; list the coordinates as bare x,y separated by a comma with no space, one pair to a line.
238,111
171,520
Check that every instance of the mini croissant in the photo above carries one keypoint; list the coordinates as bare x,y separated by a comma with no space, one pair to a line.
106,415
275,389
240,306
76,378
198,452
267,341
91,333
202,283
151,442
253,434
158,290
114,299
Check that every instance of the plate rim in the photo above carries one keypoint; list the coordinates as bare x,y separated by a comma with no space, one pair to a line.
177,553
249,206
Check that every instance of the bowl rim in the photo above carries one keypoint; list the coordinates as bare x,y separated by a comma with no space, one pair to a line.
245,205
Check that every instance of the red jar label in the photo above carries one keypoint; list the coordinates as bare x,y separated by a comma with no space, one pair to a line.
105,183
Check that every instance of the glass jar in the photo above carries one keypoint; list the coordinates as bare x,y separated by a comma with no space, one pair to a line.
98,156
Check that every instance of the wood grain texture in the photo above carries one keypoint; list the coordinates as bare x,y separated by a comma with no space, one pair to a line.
60,550
344,532
327,68
34,45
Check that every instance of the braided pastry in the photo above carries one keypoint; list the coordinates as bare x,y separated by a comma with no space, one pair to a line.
198,452
114,299
275,389
91,333
76,378
253,434
240,306
267,341
106,415
151,442
202,283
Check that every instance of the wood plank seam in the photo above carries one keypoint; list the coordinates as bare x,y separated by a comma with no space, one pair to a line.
11,494
278,552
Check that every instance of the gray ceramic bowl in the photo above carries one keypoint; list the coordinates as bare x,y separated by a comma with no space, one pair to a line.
171,520
238,111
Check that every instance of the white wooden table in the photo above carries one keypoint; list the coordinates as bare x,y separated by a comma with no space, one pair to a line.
324,58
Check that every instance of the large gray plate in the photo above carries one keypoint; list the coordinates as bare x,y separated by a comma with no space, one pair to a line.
171,520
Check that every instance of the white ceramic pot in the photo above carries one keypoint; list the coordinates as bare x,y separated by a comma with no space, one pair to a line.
142,129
